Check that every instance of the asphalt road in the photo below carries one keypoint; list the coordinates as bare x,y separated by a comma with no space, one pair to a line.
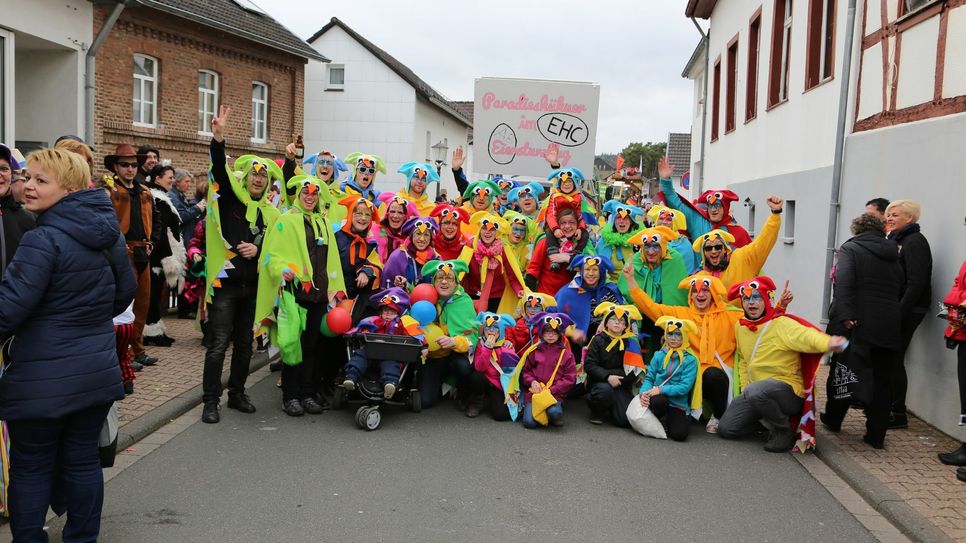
438,476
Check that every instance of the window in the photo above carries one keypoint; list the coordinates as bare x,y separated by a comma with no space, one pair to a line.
732,85
259,112
751,90
908,6
715,99
336,79
145,91
207,100
781,41
821,44
789,223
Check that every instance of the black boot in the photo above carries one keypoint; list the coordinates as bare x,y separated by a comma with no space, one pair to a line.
828,424
898,421
128,388
209,415
955,458
781,440
241,403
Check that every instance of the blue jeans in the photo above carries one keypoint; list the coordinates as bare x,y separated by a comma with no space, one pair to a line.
389,370
54,463
554,412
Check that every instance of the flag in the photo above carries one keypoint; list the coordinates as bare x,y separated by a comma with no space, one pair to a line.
620,163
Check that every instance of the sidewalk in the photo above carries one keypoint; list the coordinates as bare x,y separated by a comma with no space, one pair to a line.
177,371
907,466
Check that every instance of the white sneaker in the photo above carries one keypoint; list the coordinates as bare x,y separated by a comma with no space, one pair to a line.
389,390
712,427
349,384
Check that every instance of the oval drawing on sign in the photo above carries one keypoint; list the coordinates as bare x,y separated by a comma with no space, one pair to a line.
562,128
502,144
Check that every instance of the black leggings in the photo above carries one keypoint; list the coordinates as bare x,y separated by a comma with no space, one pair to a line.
962,377
715,385
675,420
481,386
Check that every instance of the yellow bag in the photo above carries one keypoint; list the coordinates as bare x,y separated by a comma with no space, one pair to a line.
543,400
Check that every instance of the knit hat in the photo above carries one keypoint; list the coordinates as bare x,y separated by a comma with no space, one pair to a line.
658,234
614,208
490,188
420,224
573,174
559,322
678,221
533,190
418,170
498,321
447,212
393,298
454,267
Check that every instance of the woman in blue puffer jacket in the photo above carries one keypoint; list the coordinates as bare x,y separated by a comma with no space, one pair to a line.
69,277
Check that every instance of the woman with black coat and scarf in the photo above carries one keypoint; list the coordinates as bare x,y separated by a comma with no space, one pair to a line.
902,222
865,308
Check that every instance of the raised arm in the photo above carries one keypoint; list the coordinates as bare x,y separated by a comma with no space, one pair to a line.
698,225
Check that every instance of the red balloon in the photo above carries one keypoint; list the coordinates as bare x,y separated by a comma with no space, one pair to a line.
424,291
338,320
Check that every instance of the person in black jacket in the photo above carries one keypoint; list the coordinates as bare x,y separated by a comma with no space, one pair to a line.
610,384
68,279
15,221
167,258
865,308
902,218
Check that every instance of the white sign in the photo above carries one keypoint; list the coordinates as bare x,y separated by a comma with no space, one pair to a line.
515,120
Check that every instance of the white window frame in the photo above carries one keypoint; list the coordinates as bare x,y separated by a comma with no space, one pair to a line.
7,88
205,116
259,114
329,85
786,44
142,81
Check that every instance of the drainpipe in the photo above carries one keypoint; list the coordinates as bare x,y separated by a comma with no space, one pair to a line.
89,70
704,105
839,160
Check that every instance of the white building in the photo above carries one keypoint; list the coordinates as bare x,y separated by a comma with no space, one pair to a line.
772,96
366,100
42,47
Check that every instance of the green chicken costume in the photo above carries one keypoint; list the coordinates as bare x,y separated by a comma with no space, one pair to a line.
456,316
285,248
218,252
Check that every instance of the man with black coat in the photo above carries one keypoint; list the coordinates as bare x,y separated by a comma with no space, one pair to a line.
902,223
865,308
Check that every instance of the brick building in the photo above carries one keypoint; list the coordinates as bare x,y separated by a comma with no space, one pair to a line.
167,65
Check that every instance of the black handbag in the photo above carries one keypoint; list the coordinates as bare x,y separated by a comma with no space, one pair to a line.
850,375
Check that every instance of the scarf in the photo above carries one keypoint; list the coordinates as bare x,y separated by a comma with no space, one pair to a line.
904,232
768,315
448,248
487,257
421,257
358,246
617,340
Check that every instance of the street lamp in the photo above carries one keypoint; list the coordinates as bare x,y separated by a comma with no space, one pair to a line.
439,157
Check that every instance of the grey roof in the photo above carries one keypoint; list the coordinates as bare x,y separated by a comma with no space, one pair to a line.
696,56
422,88
679,152
465,107
603,165
230,17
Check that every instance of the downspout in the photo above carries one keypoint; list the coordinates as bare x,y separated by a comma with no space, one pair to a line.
89,70
839,160
704,103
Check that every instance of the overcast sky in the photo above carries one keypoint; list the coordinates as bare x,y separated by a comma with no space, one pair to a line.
635,50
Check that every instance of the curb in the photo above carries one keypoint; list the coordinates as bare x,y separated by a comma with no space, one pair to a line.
141,427
889,504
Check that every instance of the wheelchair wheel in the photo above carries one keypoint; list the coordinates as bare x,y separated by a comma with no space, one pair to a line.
369,418
338,398
415,402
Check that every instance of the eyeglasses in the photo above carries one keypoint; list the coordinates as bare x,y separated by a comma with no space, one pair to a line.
325,162
366,169
362,214
714,248
440,278
128,164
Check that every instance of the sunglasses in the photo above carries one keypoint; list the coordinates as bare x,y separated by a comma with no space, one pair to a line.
714,248
128,164
325,162
366,169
